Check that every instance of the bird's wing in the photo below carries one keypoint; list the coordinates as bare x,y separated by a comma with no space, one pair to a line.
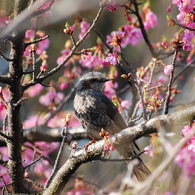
113,113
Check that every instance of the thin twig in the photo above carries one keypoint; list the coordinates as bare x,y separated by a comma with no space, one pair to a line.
72,40
36,40
5,136
33,162
45,158
6,58
55,168
34,183
127,63
19,101
33,63
167,100
142,100
183,26
184,69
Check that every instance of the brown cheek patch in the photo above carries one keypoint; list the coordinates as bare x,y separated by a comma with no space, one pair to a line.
86,85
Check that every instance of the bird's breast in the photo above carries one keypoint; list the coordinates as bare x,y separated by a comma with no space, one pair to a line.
84,101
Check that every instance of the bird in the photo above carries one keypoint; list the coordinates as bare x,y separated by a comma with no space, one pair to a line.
95,111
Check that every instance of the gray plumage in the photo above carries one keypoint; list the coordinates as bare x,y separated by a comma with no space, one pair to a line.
96,111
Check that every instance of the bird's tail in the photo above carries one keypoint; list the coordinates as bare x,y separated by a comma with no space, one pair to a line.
141,171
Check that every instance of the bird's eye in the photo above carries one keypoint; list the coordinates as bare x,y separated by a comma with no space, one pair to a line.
93,80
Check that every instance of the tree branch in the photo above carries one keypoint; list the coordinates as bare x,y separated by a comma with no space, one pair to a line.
95,150
167,100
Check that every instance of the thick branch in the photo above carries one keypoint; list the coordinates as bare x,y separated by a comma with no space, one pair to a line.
95,150
44,133
5,79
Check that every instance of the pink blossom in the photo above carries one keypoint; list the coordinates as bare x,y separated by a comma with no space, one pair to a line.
186,160
33,121
46,5
55,122
109,89
185,8
187,37
44,66
165,44
63,56
149,150
90,61
112,7
108,146
50,97
125,104
3,114
27,51
46,148
150,20
4,174
42,46
169,8
34,90
186,130
47,98
186,157
84,26
113,38
112,59
29,34
135,36
191,144
162,79
168,69
2,106
63,85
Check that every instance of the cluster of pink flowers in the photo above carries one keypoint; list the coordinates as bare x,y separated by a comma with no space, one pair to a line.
111,5
127,35
150,20
51,97
186,157
168,69
64,53
186,17
89,61
84,26
39,48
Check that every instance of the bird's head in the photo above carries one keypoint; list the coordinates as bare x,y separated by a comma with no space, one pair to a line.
92,80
